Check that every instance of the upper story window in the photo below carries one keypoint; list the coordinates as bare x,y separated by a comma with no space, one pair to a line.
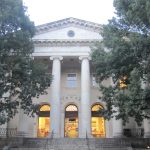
123,82
94,83
71,80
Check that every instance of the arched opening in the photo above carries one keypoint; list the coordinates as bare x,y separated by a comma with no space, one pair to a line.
44,121
97,122
71,121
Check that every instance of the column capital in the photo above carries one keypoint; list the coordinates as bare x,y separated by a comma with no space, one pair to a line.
56,57
84,57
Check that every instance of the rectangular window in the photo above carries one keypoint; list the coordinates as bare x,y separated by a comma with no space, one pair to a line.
71,80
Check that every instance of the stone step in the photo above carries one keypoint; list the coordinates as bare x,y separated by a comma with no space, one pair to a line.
71,149
75,144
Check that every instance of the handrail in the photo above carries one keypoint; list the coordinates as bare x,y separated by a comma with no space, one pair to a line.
86,135
87,139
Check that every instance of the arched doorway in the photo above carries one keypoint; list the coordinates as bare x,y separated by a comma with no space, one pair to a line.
44,121
71,121
97,122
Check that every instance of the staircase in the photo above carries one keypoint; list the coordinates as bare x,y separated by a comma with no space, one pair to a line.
74,144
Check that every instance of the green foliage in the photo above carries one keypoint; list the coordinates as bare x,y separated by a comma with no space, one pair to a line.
21,78
127,39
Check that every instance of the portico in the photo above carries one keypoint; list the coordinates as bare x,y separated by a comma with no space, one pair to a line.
70,107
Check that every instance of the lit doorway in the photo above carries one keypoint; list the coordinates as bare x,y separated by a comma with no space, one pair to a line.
44,121
71,121
97,122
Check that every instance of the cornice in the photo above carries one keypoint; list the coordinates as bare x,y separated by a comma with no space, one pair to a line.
58,43
68,22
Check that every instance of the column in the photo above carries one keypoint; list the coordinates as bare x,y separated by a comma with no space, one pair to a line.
117,124
147,128
85,98
23,124
146,122
55,99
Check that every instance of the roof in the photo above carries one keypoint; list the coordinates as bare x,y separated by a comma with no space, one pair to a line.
69,22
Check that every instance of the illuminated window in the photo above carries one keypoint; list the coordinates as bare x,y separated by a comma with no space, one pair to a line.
97,122
71,108
71,80
71,121
97,107
45,108
44,121
123,82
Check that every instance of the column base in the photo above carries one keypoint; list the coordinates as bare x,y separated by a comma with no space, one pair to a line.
55,135
88,135
22,134
118,135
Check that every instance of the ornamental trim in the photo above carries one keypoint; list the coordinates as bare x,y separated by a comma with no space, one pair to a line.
68,22
57,43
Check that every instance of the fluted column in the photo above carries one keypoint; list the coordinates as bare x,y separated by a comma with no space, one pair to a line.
147,128
85,98
23,124
146,122
55,99
117,124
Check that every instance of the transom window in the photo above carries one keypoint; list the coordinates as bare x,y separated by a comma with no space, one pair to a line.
45,108
71,80
71,108
97,107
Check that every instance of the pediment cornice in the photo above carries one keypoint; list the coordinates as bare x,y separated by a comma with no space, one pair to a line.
68,22
57,43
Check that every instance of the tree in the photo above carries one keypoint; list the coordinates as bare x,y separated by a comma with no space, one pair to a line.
124,56
21,78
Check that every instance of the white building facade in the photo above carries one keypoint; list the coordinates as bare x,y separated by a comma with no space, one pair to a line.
70,107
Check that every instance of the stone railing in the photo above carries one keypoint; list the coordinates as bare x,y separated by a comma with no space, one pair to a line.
8,132
139,132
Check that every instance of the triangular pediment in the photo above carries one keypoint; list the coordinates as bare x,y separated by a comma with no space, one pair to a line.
69,22
62,29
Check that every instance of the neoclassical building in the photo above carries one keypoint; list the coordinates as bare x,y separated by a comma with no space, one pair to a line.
70,107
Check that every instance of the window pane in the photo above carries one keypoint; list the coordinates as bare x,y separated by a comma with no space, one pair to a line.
71,80
45,108
71,108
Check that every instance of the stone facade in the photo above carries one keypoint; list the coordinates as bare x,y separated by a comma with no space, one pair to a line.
65,46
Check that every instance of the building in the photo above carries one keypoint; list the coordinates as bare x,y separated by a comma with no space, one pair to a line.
70,107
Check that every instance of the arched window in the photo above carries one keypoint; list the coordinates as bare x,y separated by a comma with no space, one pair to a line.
97,121
45,108
44,121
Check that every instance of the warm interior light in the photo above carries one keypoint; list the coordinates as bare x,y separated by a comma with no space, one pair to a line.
71,127
97,107
44,121
122,82
71,108
98,127
71,121
97,122
45,108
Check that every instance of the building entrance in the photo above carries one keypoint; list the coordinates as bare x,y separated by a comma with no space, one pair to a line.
97,122
44,121
71,121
